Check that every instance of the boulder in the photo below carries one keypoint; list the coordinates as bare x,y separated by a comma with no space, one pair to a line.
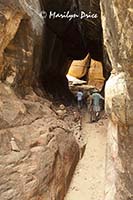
38,150
79,68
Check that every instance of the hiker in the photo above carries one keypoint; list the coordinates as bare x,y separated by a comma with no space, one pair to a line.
95,106
79,96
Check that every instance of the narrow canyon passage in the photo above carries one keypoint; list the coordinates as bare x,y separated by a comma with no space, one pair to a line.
89,178
39,137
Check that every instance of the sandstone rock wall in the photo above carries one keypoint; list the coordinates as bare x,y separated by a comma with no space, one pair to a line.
20,44
38,152
63,41
42,164
117,20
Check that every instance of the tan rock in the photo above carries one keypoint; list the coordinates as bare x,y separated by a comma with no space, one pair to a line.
44,149
78,68
117,29
14,146
16,42
95,74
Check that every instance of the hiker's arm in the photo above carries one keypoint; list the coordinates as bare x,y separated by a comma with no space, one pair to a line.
101,97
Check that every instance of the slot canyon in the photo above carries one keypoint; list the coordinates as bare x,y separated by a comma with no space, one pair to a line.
41,144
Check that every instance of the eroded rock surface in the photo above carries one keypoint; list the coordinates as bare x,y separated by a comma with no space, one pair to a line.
38,150
117,19
42,164
21,42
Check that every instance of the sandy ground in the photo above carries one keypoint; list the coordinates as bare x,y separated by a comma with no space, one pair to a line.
88,180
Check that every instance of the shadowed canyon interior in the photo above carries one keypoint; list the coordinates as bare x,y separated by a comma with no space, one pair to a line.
66,41
35,54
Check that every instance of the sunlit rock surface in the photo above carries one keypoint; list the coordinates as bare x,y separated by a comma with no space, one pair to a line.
91,69
79,68
95,74
117,20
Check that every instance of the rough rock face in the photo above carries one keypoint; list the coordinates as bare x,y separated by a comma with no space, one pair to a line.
38,151
47,152
117,22
20,43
